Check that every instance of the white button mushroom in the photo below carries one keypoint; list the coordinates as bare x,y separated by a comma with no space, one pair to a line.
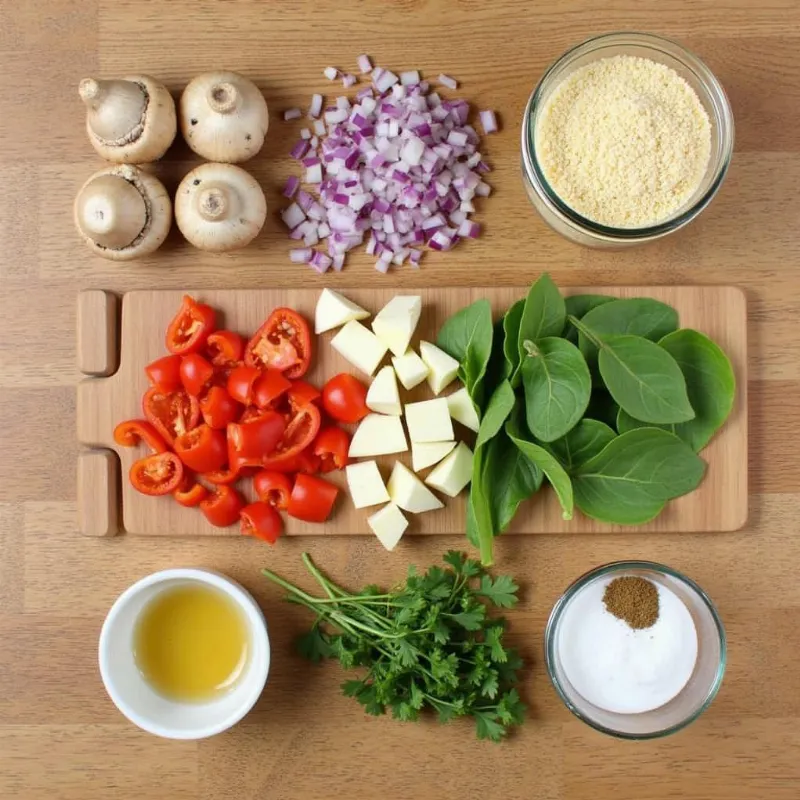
123,213
223,117
129,121
220,207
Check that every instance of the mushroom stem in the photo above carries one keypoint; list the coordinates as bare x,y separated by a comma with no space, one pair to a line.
116,107
111,211
223,98
213,203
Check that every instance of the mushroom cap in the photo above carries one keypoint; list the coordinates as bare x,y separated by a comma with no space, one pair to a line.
223,117
131,120
123,213
220,207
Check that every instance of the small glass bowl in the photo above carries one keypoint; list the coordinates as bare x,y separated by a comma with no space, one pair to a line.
570,223
691,701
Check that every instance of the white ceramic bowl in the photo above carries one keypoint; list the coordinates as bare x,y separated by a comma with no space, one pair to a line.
134,697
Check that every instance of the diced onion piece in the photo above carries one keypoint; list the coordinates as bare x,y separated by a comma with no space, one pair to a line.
364,64
348,80
292,185
301,256
314,174
293,216
488,121
305,133
292,113
409,78
330,73
316,105
446,80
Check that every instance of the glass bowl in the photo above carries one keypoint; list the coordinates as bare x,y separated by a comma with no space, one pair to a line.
570,223
696,695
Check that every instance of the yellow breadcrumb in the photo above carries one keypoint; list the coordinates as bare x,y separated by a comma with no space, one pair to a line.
624,141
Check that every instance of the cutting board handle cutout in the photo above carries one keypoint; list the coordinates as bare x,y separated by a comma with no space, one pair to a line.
98,493
98,332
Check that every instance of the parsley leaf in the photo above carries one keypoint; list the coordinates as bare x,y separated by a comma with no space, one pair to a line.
502,591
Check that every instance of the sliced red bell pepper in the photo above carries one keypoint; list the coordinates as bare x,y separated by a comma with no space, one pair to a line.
273,487
222,507
202,449
133,431
158,474
170,413
269,387
283,342
300,432
249,443
196,372
302,393
221,477
191,327
224,347
312,499
165,373
262,521
241,382
218,408
190,493
331,446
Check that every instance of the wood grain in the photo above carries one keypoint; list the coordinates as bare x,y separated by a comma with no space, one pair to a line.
60,736
720,504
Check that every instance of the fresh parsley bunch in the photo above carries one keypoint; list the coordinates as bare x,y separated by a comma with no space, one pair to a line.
429,643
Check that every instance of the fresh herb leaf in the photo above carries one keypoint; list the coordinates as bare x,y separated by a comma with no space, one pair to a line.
602,407
511,323
490,684
583,442
314,645
543,315
488,726
578,305
497,411
635,474
502,591
710,385
557,387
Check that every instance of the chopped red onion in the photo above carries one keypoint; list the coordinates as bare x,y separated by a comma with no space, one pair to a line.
316,106
314,174
348,80
323,231
292,185
320,261
446,80
409,78
330,73
488,121
292,113
469,229
319,127
301,256
338,261
293,215
300,149
305,133
385,80
364,64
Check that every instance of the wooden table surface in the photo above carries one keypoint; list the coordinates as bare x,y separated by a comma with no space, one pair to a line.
60,736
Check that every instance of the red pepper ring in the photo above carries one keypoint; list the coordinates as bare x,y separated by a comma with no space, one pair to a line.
332,445
134,431
190,493
158,474
262,521
274,488
222,507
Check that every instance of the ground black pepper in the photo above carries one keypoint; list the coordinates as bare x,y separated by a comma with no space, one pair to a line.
633,600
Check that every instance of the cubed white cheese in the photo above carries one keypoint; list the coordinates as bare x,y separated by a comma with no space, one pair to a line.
454,473
388,525
462,409
396,322
360,346
442,367
378,435
409,492
426,454
382,395
429,421
334,310
365,484
410,369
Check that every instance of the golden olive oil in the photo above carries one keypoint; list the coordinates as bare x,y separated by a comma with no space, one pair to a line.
191,643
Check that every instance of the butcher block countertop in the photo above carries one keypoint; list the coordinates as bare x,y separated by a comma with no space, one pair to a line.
60,735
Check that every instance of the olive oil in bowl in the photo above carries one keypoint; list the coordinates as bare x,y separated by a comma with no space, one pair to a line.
191,643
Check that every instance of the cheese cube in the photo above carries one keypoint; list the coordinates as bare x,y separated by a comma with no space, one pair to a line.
462,409
365,484
410,368
454,473
408,492
334,310
378,435
426,454
360,346
382,395
388,525
442,367
429,421
396,322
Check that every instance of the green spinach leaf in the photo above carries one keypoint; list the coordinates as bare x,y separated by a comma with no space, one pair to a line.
547,463
511,323
583,442
635,474
578,305
557,387
710,384
497,411
602,407
544,314
467,337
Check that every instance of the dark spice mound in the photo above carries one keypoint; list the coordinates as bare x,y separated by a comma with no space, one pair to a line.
633,600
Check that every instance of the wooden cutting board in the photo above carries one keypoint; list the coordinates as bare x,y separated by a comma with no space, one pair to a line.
114,394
